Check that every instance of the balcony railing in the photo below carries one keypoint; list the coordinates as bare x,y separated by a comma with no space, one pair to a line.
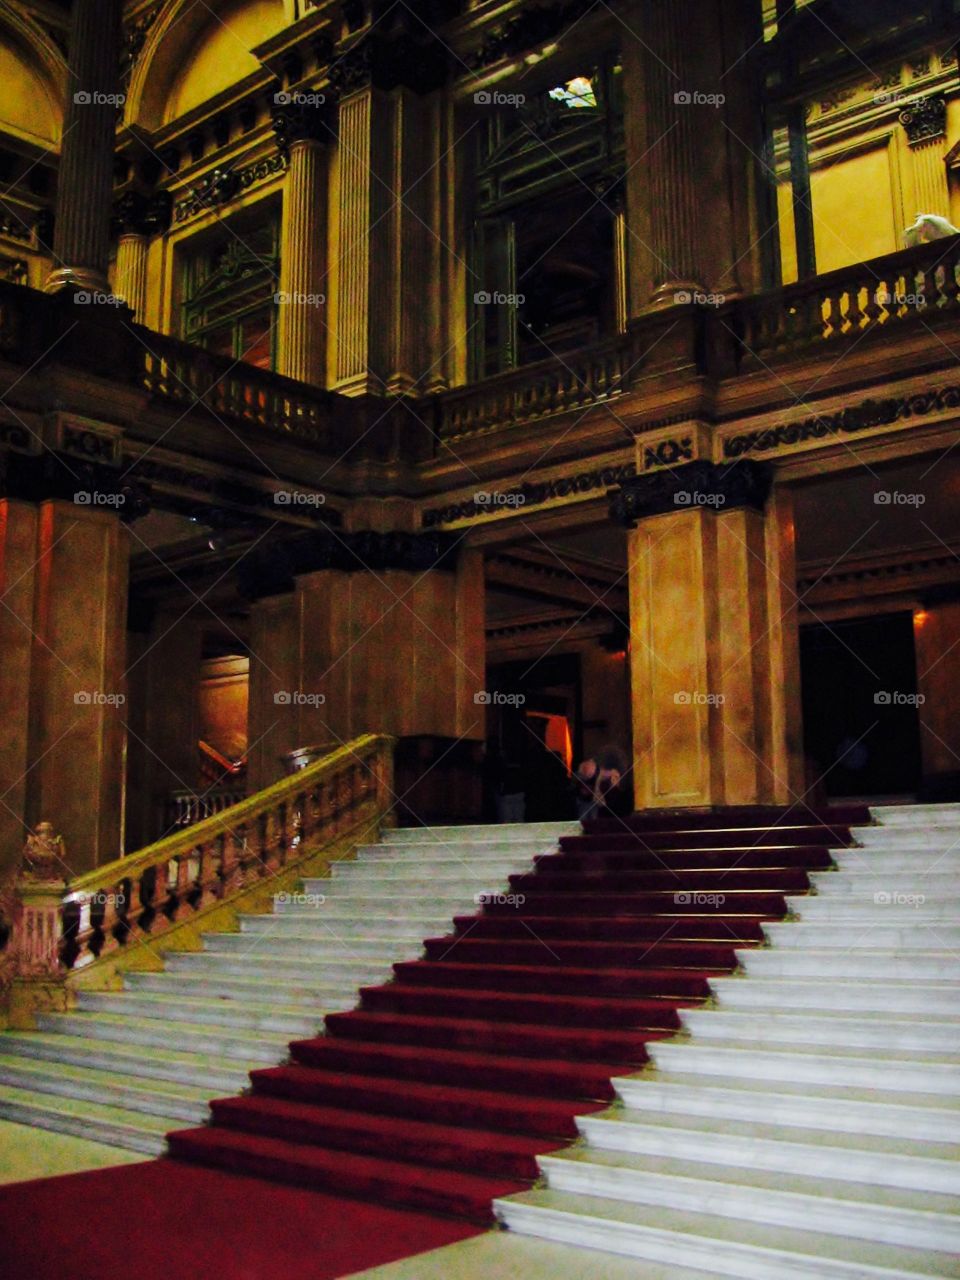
899,291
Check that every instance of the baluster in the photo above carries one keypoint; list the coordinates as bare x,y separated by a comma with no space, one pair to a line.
111,919
181,886
853,312
231,866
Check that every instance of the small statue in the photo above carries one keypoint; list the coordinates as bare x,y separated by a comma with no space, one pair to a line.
928,226
44,855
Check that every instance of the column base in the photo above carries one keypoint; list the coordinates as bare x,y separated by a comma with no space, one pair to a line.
87,278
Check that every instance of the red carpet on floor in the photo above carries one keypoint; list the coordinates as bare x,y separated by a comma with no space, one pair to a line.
168,1220
441,1089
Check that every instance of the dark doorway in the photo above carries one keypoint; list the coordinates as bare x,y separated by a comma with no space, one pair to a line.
861,730
535,730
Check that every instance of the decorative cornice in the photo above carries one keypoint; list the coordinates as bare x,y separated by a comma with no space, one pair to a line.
531,27
272,570
225,184
529,494
867,416
89,484
925,119
699,484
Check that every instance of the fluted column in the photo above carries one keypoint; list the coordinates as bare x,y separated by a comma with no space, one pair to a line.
85,181
691,121
925,124
303,131
130,281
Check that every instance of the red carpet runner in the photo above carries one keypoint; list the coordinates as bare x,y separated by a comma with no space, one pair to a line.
440,1090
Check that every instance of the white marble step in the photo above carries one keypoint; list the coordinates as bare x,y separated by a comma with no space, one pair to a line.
939,999
114,1126
910,1219
331,947
259,932
316,920
881,855
245,1014
897,935
176,1102
827,1029
866,963
754,1059
339,967
886,1162
788,1104
915,814
460,871
747,1251
263,992
423,895
856,912
457,853
207,1013
254,1047
862,881
219,1075
507,832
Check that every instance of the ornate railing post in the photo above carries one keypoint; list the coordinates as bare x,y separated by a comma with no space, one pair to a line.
34,965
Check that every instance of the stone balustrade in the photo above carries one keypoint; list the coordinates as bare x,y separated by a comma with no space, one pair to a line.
59,927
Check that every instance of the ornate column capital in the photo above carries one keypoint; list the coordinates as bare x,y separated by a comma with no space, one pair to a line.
700,484
140,213
925,119
302,117
380,62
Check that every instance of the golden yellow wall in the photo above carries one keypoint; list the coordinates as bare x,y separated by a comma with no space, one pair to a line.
221,54
27,106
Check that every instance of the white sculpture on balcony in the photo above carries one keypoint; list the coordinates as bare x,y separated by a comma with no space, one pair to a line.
928,226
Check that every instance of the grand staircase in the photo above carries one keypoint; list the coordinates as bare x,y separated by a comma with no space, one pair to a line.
808,1123
444,1087
124,1067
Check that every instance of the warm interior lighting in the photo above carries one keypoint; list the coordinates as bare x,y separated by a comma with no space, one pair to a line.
920,617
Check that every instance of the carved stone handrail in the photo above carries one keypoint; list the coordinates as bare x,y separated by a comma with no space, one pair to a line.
136,899
183,374
848,302
534,391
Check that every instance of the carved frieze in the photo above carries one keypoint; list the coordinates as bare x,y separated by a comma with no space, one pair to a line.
529,494
58,475
867,416
142,214
698,484
223,185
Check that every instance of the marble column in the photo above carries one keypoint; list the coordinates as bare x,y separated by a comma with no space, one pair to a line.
304,131
690,128
130,279
714,650
85,178
78,690
18,571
